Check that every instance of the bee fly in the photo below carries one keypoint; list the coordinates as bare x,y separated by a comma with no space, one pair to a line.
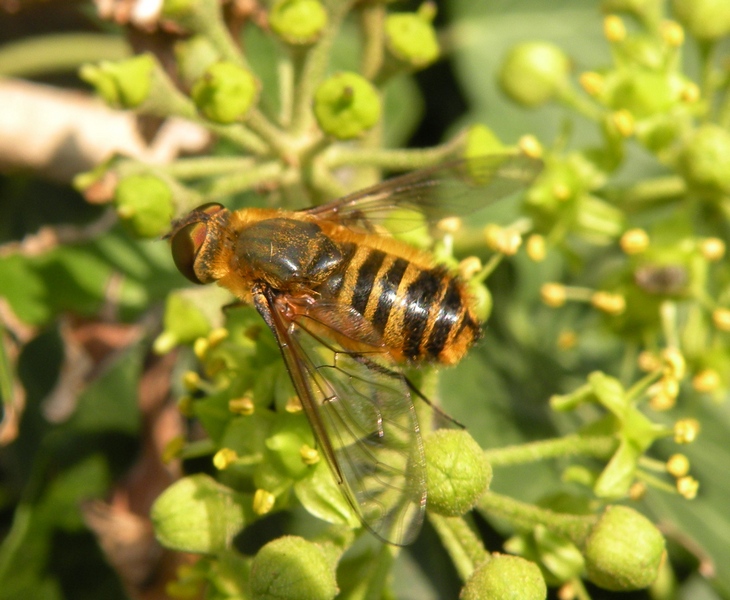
350,305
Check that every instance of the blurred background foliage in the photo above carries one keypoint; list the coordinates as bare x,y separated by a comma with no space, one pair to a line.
82,301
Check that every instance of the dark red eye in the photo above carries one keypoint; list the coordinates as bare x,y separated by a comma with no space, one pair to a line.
189,235
186,243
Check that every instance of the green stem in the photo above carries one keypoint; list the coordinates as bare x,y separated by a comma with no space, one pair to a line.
708,77
287,73
655,482
581,593
59,52
723,111
636,390
522,515
241,136
244,180
207,166
650,191
373,585
570,445
571,98
314,67
396,160
372,26
494,261
463,545
211,25
270,133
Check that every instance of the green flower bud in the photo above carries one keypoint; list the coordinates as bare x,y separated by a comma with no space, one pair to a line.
291,568
482,299
534,73
410,38
193,56
623,551
456,470
642,92
298,22
144,205
346,105
197,514
481,140
705,159
123,84
184,323
505,577
225,92
705,19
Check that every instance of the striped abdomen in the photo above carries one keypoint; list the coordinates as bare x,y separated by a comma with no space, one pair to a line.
422,313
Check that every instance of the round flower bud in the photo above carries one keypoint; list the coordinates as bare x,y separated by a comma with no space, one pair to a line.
721,318
197,514
481,140
705,159
346,105
482,299
411,38
125,83
456,470
298,22
144,205
642,92
500,578
534,72
705,19
623,551
292,568
225,92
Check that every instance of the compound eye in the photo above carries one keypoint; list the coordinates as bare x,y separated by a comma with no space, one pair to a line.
185,245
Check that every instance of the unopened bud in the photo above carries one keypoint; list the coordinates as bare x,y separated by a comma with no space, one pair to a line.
535,247
707,380
612,304
713,249
224,458
686,431
678,465
634,241
614,28
263,502
624,122
553,294
688,487
310,456
672,33
530,146
721,318
469,267
591,82
648,361
242,406
674,363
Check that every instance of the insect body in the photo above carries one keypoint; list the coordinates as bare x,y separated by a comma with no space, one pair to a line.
349,305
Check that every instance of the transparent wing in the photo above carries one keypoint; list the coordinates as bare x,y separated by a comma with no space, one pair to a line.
453,188
362,415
